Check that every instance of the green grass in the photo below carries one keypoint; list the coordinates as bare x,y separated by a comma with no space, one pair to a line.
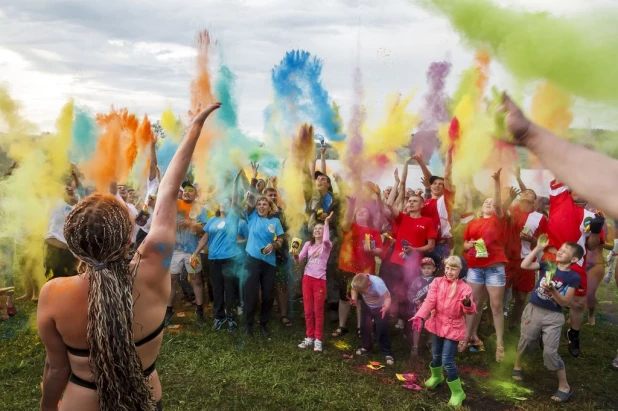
201,369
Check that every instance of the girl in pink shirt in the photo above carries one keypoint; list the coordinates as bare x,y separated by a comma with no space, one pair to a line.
448,300
316,250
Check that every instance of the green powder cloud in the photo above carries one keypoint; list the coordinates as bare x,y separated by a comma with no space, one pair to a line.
578,53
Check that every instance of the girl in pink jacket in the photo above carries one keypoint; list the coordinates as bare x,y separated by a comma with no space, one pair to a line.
449,298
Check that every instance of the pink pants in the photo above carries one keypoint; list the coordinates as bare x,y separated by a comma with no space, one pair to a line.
314,295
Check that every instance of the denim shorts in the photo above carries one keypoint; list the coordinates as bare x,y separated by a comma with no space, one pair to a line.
493,276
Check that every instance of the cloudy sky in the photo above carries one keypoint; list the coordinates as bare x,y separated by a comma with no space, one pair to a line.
140,54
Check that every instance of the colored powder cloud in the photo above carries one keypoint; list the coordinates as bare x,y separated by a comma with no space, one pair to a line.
84,142
36,185
299,96
576,53
392,132
116,149
551,108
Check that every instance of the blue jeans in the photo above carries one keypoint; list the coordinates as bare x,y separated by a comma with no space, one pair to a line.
444,351
494,276
369,316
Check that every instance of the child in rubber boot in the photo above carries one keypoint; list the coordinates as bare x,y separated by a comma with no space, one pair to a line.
448,300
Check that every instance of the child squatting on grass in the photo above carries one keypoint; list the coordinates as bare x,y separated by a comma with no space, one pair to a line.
543,316
449,298
374,304
316,251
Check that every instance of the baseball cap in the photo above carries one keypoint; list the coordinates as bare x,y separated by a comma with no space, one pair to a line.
428,261
186,184
330,185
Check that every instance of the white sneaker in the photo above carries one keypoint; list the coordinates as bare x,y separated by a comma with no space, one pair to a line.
317,347
400,324
307,342
239,310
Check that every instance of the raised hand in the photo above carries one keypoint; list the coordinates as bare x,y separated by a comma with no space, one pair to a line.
418,157
496,175
516,122
255,167
396,175
200,116
514,192
425,182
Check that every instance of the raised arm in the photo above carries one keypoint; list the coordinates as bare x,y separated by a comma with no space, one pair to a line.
152,172
421,162
235,199
513,193
401,196
346,224
323,159
497,205
162,235
448,172
520,183
588,173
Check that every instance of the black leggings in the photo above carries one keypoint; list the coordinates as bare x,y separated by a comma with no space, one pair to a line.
224,286
260,275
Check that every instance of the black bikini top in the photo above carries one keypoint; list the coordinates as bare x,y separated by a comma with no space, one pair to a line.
81,352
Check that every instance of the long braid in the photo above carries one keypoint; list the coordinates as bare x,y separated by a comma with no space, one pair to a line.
98,231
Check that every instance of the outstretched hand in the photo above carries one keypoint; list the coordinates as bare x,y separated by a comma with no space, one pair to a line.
517,125
200,116
417,324
496,175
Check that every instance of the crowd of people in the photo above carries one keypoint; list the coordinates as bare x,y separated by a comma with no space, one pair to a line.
406,257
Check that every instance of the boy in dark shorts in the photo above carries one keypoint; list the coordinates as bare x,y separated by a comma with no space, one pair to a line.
543,316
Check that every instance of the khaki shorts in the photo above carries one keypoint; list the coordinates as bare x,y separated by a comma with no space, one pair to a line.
537,322
179,258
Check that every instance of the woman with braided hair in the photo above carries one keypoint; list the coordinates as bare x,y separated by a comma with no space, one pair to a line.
112,313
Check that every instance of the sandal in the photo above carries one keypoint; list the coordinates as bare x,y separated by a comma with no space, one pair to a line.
517,375
477,345
462,346
499,353
362,351
414,352
561,396
358,332
340,331
286,321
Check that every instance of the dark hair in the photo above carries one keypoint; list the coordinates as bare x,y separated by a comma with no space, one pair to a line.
532,191
269,189
577,249
434,178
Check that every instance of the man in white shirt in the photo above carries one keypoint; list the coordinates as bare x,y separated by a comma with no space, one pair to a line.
59,261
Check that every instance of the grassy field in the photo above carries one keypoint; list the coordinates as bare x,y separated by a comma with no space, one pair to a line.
205,370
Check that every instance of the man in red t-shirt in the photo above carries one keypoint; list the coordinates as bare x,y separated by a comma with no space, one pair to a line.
439,207
524,227
569,221
416,235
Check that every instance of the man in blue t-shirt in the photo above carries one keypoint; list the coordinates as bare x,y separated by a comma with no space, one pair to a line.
543,316
190,223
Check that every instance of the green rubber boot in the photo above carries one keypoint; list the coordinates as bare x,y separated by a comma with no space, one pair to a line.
457,393
436,377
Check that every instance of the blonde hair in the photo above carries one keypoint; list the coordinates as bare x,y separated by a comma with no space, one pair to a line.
98,232
360,282
455,262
